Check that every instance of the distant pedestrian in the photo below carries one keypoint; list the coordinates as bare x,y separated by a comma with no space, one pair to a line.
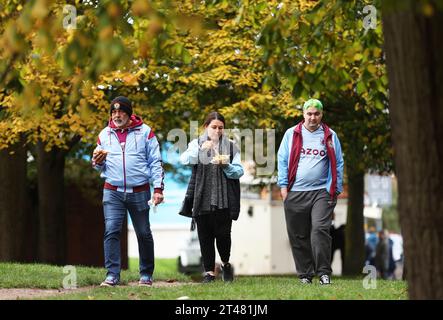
382,255
371,245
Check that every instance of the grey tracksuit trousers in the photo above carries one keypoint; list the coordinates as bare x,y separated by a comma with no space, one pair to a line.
308,219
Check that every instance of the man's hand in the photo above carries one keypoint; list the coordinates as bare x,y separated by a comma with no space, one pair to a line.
99,156
284,193
158,198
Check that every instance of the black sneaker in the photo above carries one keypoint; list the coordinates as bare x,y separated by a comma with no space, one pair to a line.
305,280
208,278
325,279
227,272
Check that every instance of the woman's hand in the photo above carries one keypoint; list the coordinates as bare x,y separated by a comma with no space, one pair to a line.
207,145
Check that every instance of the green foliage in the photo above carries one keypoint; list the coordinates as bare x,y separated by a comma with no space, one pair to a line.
323,51
391,219
256,62
55,67
222,72
390,214
177,61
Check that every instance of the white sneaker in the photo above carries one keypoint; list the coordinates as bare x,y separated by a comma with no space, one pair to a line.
306,280
325,279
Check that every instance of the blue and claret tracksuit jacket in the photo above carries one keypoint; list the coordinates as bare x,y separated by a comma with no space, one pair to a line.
131,166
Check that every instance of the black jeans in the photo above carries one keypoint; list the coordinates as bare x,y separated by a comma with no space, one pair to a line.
214,226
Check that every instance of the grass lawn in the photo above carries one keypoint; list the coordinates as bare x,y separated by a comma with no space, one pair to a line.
42,276
254,288
13,275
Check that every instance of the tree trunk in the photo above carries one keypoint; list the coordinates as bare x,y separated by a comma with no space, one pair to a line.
414,51
13,213
52,225
354,232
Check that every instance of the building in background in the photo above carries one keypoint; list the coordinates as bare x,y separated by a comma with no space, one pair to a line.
260,244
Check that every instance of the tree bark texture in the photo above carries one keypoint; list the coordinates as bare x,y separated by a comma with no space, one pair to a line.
354,232
414,51
13,208
52,225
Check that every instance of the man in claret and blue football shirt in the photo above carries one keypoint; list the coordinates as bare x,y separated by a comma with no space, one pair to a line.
310,175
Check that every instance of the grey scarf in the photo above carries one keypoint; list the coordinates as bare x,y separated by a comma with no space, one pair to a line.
211,186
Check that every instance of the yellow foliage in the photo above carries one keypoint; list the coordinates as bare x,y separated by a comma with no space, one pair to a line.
66,92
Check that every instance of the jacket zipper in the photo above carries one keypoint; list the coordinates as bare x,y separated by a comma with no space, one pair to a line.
124,165
124,169
123,146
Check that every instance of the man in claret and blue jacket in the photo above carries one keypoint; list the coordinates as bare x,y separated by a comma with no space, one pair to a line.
128,157
310,175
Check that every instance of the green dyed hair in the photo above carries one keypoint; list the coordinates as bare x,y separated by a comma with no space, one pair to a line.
313,103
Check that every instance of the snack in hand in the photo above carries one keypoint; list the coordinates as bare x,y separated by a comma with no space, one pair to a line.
99,156
220,158
100,151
